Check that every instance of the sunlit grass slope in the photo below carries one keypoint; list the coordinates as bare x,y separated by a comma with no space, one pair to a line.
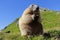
50,22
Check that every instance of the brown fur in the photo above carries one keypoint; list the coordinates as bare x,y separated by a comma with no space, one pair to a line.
30,22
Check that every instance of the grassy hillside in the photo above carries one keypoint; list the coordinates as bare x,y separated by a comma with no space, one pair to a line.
51,26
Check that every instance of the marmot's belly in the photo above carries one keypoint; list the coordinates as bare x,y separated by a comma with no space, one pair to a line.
36,28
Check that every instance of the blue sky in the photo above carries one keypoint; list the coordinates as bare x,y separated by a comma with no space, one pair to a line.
12,9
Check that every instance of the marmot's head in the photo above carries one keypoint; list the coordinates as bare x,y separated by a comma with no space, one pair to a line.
35,11
31,14
34,7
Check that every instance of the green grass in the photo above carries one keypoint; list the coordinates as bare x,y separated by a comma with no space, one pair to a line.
50,22
50,19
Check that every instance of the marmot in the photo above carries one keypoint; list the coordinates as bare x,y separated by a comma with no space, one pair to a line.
30,21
